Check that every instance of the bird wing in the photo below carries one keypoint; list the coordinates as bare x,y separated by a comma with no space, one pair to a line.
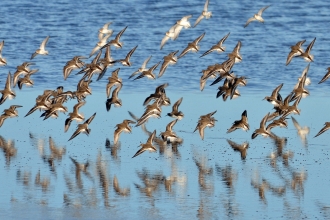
263,121
249,21
223,39
206,5
177,104
151,138
201,131
170,125
144,64
198,20
196,41
262,10
120,33
139,152
164,40
308,49
44,42
325,128
163,68
88,121
131,52
8,81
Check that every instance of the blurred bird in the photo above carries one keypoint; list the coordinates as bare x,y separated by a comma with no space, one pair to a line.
205,13
147,146
41,50
256,17
83,128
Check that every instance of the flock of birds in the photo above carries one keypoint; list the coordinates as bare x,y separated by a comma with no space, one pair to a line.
51,102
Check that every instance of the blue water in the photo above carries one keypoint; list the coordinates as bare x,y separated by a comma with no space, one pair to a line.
73,30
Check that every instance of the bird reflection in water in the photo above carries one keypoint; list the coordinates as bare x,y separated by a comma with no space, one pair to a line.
279,144
177,177
242,148
103,178
324,209
39,143
298,180
203,211
55,153
227,174
150,182
293,212
80,167
302,131
43,182
113,148
265,186
8,148
206,185
229,178
120,191
203,172
25,178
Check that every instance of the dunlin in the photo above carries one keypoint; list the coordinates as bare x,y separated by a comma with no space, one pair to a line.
326,76
325,128
173,34
159,91
3,60
147,146
169,135
148,73
7,92
74,115
41,50
262,130
169,59
175,110
296,50
184,21
126,61
217,47
142,68
113,80
83,128
102,41
306,55
205,13
193,46
122,127
74,63
243,123
106,62
205,121
116,42
9,113
275,98
114,99
256,17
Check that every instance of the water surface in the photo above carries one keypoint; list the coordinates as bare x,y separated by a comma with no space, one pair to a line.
209,179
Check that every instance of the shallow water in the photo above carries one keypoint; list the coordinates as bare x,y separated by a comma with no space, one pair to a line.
193,193
226,186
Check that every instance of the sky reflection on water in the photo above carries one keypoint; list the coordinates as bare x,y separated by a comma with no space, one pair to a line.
278,176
